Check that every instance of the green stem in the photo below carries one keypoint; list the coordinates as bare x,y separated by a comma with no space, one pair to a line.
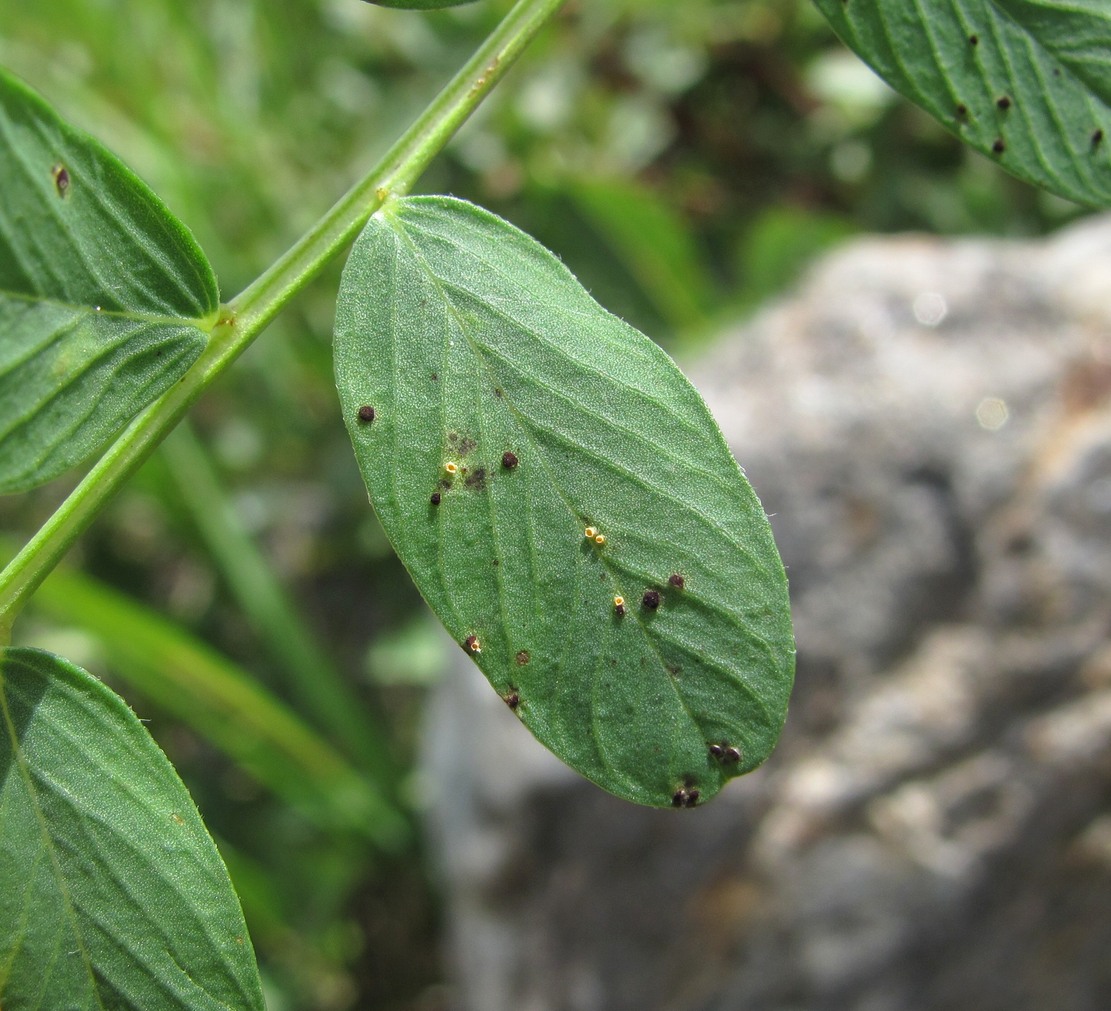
244,318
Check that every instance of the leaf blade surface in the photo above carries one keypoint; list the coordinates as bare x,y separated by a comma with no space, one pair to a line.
105,298
1022,81
112,893
471,341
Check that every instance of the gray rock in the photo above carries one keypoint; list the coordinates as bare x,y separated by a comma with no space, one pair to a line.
929,422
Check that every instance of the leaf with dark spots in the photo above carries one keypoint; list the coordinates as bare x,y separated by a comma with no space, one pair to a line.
105,299
628,483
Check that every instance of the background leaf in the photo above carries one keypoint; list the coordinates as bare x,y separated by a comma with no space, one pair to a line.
1022,81
105,299
112,894
419,5
477,350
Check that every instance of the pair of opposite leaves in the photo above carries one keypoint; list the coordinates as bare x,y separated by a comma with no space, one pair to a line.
496,411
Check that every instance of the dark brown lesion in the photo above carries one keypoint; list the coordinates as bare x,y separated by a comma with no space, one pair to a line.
60,174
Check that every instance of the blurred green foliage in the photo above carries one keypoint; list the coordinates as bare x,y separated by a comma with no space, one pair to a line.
685,159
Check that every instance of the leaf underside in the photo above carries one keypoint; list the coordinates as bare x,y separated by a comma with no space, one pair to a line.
470,342
112,893
105,299
1026,82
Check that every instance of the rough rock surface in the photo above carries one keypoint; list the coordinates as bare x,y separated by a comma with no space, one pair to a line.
930,424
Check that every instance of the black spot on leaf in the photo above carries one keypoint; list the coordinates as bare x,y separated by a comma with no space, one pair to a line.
998,146
1003,102
717,752
685,797
651,599
366,414
1097,138
732,754
676,580
471,644
509,460
523,658
512,699
973,40
435,499
476,479
962,111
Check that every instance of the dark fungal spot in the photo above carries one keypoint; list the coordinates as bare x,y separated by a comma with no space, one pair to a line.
717,752
366,414
685,797
651,599
1097,138
973,40
61,178
453,437
732,754
998,146
435,377
1056,71
512,699
466,444
475,479
523,658
962,111
619,610
1003,102
435,499
498,391
509,460
676,580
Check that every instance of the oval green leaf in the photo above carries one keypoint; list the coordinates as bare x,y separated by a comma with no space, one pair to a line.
105,298
112,893
1023,81
510,413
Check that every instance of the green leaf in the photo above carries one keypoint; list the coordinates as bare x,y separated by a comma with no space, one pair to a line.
1078,34
1023,81
105,299
471,342
112,893
419,5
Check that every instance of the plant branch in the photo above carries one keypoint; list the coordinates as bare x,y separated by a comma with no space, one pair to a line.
244,318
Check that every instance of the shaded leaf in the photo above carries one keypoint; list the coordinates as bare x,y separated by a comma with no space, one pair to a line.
112,893
1022,81
478,351
105,299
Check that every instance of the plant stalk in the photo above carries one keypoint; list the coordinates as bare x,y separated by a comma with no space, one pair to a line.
246,316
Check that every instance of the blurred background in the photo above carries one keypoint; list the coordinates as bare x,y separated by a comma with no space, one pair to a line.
686,160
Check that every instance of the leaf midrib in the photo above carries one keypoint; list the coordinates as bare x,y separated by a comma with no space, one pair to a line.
205,324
